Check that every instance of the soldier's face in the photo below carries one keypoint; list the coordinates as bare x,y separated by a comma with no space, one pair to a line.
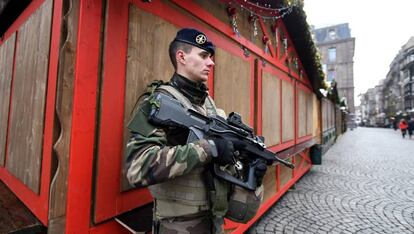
197,65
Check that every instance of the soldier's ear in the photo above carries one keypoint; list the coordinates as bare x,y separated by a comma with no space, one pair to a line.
180,56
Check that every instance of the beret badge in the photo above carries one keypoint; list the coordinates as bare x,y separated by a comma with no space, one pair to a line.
201,39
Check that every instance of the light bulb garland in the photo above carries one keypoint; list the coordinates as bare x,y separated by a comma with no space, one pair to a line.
253,20
258,11
285,45
265,12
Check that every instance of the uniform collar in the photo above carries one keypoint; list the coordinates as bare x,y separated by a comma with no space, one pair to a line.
196,92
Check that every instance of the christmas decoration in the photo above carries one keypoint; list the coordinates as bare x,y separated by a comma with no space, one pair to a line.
246,52
285,45
264,11
231,12
253,20
295,63
266,41
275,32
263,62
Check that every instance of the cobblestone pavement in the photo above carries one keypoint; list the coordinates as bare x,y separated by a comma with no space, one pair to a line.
364,185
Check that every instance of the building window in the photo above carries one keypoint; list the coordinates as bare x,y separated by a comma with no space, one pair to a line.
324,68
332,34
408,104
411,58
406,89
331,75
332,54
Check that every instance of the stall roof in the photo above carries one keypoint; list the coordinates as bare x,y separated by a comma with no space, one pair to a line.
300,34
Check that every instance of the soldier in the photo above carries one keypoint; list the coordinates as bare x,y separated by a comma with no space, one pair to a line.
187,198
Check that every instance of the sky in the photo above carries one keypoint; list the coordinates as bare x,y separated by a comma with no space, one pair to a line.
380,29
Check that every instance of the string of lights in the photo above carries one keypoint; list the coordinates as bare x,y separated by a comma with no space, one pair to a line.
266,7
265,12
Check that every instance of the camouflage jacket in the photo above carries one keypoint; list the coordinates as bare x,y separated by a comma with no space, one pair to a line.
155,154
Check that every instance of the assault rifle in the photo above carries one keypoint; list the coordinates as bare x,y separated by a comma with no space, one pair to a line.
167,111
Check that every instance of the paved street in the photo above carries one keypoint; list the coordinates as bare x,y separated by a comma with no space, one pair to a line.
364,185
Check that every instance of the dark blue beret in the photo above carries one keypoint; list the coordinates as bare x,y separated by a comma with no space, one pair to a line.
195,38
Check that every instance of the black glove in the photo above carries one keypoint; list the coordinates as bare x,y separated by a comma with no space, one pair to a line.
259,172
225,150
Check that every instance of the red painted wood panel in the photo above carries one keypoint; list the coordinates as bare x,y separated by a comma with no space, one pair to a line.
38,203
81,159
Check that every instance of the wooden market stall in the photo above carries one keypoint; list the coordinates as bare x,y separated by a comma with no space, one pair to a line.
72,70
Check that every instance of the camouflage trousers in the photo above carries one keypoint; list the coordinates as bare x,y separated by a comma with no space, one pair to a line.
177,225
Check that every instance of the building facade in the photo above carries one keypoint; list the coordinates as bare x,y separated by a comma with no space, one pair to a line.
407,71
394,96
337,49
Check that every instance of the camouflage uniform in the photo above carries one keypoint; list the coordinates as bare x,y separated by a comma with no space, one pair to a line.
173,170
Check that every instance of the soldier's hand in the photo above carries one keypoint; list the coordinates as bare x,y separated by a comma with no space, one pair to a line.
259,172
225,151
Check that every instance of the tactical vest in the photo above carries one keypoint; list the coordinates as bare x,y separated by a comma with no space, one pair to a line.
185,195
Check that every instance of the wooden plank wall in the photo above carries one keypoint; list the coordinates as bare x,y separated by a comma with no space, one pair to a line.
309,113
143,40
6,71
325,114
24,152
328,114
317,118
302,113
338,121
288,120
285,175
271,109
232,84
269,183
